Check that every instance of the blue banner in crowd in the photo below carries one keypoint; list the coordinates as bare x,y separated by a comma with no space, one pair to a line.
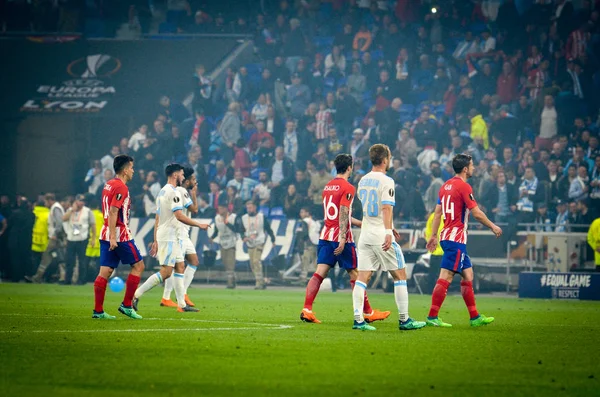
582,286
143,232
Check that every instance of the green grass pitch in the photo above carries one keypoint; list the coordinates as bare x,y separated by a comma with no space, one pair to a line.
247,342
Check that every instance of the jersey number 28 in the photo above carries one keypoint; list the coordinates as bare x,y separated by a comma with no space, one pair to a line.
370,202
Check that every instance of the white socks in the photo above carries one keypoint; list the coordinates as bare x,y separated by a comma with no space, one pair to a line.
152,282
358,301
168,288
188,277
401,295
179,290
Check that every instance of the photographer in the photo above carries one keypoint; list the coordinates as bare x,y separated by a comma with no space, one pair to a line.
79,223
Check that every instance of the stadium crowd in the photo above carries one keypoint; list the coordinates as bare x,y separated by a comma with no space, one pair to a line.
513,83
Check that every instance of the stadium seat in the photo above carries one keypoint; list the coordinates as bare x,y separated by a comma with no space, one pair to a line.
264,209
277,213
167,27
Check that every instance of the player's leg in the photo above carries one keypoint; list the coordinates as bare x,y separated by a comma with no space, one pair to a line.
178,286
190,270
325,261
348,260
228,259
367,263
393,261
167,292
129,254
108,262
466,289
450,264
166,255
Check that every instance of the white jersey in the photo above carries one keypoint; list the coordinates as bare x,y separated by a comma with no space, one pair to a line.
184,229
168,201
374,190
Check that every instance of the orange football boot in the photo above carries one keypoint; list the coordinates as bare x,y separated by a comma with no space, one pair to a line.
167,303
309,317
188,301
376,316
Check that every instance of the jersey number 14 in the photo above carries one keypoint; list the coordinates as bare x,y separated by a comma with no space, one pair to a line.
447,207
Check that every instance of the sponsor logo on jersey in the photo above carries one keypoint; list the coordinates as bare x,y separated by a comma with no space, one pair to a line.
176,199
119,196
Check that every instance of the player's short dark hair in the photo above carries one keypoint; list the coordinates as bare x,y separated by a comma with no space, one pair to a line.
342,162
188,172
378,152
173,167
250,202
460,162
120,162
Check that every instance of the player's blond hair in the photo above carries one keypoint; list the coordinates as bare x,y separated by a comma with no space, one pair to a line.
378,153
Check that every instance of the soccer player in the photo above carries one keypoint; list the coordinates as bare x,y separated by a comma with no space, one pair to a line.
336,244
167,239
455,202
377,249
116,240
188,192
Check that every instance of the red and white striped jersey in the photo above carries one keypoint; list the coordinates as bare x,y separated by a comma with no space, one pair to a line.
577,44
337,193
324,122
116,194
456,199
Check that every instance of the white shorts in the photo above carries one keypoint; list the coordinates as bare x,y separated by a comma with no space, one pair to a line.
170,252
373,257
188,247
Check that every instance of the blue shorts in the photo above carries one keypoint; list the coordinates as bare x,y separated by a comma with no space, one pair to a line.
455,256
126,252
346,260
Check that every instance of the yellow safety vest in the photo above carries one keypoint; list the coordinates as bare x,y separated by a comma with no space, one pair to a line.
428,232
593,239
39,241
94,252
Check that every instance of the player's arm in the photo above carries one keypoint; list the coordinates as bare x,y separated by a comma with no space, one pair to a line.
193,206
356,222
483,219
478,214
344,218
113,213
189,221
387,212
435,225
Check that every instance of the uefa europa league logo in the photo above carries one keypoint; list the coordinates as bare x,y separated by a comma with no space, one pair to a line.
94,66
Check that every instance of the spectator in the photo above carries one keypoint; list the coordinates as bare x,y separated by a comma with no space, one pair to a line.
215,195
230,131
465,47
579,159
335,63
259,111
298,96
344,39
506,85
282,174
578,189
584,216
262,192
430,198
362,39
359,147
548,124
317,183
294,45
357,83
428,155
107,160
333,144
562,216
244,186
205,211
94,177
501,199
292,202
290,141
226,225
202,91
479,128
302,183
324,122
138,137
530,193
241,159
233,201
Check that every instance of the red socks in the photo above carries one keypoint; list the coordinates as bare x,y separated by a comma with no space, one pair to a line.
466,289
312,289
99,292
130,286
438,296
367,306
